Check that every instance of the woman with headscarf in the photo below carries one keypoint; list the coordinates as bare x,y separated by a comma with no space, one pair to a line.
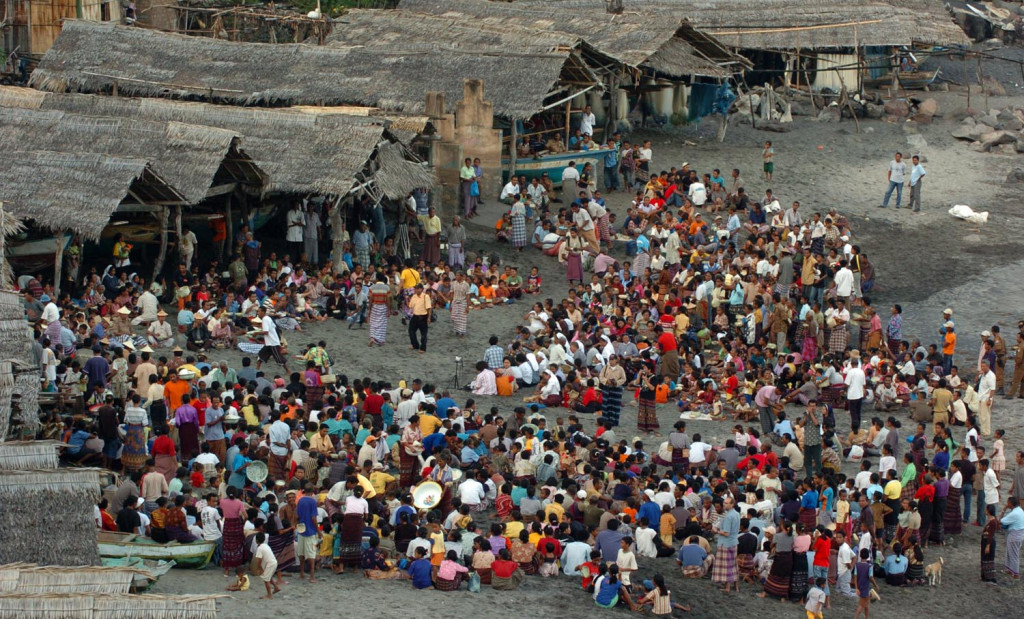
952,524
551,391
571,254
409,453
612,378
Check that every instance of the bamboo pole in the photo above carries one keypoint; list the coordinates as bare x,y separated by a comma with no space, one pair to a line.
568,119
177,230
162,256
58,264
513,151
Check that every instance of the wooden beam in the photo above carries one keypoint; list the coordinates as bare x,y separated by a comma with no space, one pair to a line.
513,151
58,265
177,230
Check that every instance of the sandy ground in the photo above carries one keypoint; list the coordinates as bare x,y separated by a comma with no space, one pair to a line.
925,261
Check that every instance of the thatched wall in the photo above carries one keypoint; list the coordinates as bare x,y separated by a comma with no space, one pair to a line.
72,191
659,42
186,156
29,455
789,24
299,152
15,333
107,606
27,578
47,516
96,57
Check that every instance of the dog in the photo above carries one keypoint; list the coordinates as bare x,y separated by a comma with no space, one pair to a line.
934,572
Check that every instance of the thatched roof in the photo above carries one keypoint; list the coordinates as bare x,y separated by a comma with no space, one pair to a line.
664,45
186,156
789,24
299,152
105,605
77,191
97,57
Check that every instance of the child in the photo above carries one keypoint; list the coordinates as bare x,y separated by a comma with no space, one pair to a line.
590,570
626,560
746,548
242,583
668,525
763,561
661,599
326,550
816,599
865,582
549,560
843,522
998,458
264,565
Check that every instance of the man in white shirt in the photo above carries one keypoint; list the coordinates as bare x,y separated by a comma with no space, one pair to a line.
160,334
855,382
296,222
844,565
792,217
986,393
844,281
473,494
537,193
896,176
587,121
990,483
188,246
697,193
510,191
271,341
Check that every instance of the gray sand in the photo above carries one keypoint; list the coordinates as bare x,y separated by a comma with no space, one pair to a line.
925,261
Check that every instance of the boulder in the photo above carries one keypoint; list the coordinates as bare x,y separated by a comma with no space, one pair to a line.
1020,145
1016,176
1011,124
979,130
988,119
1005,149
978,147
994,138
963,114
922,119
897,108
829,115
875,111
929,106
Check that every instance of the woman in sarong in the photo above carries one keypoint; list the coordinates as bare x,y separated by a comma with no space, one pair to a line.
232,551
781,572
380,295
133,455
409,454
798,584
612,378
459,304
647,416
571,253
988,545
952,524
518,215
469,188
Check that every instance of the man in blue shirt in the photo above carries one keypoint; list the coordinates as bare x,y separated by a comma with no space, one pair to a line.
611,167
309,532
609,541
1013,522
651,510
728,531
693,559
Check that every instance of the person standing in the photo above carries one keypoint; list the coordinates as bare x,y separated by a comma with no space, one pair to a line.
570,176
271,341
917,173
611,167
380,299
724,570
986,393
1017,384
456,241
812,439
214,432
420,305
431,237
311,236
188,246
296,222
896,175
309,532
460,305
767,159
855,382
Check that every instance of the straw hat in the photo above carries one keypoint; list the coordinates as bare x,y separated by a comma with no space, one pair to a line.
124,311
162,313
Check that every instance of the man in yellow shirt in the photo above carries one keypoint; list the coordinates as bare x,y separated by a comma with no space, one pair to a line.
420,305
429,422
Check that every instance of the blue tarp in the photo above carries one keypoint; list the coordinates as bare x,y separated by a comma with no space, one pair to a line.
702,100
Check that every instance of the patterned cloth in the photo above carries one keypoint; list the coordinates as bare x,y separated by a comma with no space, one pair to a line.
647,417
379,322
780,575
459,306
952,524
745,563
604,228
456,255
724,570
798,576
612,403
838,339
518,238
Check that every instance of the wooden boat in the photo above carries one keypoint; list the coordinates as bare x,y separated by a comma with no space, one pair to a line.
909,80
33,251
148,571
126,545
533,167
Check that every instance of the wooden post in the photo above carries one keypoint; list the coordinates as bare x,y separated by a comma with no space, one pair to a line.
162,256
76,265
797,71
967,82
568,124
513,151
611,114
229,227
844,97
856,52
177,229
58,264
981,82
337,235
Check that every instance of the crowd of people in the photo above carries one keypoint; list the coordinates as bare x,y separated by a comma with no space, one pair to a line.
701,300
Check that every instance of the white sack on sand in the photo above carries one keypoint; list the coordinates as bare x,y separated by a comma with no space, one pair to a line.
965,212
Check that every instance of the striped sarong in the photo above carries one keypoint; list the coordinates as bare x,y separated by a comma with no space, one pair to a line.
951,523
458,315
379,323
724,570
611,406
838,339
1013,542
604,228
518,238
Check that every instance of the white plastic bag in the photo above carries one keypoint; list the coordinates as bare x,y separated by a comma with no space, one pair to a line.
967,213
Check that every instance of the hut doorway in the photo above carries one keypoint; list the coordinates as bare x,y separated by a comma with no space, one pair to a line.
769,67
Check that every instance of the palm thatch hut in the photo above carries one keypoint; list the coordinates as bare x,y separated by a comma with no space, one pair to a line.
28,578
299,152
47,516
829,38
104,58
107,606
